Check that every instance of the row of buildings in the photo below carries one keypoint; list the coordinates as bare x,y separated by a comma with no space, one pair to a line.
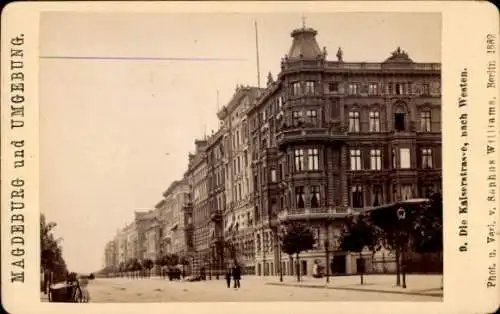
323,139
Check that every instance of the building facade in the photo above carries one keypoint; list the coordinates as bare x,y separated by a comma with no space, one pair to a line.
110,255
238,214
334,137
178,219
216,200
196,176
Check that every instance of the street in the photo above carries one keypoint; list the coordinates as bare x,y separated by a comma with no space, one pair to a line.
252,289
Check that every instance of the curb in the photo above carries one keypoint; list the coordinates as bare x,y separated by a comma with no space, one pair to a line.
357,289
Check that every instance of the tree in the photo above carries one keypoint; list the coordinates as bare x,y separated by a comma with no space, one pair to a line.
184,260
148,264
427,230
172,259
133,265
419,231
296,239
51,261
359,233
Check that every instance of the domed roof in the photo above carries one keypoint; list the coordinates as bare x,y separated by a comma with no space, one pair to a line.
304,45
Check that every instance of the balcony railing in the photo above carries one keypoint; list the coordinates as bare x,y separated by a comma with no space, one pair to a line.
298,134
313,213
216,215
367,66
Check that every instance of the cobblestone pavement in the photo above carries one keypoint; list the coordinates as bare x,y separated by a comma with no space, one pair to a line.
252,289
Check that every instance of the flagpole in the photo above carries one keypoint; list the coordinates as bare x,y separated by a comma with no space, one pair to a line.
257,54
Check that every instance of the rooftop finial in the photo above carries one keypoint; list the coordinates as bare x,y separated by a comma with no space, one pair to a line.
303,21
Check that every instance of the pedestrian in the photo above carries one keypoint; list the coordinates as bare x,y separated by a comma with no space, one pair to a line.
236,276
228,277
84,281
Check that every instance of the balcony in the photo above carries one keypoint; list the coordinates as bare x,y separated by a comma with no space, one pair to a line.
313,213
187,206
216,215
310,134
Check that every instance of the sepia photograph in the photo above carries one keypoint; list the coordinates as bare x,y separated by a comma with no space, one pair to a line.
213,157
269,157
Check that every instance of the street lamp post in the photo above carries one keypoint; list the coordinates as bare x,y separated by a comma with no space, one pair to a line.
327,248
279,257
401,213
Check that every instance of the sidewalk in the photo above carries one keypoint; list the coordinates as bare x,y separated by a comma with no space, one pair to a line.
427,285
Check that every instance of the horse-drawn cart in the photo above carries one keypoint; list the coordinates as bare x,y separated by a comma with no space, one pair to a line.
69,292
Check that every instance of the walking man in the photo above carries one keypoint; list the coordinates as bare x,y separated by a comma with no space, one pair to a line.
228,277
236,275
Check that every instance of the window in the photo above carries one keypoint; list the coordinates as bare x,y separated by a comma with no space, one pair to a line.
377,195
375,159
374,121
333,86
399,89
313,156
310,87
299,197
426,89
282,171
354,121
399,121
280,102
406,192
353,88
239,164
263,114
428,190
273,175
394,159
390,90
311,115
355,159
315,196
296,115
426,158
296,89
315,231
373,89
299,159
255,183
395,191
357,196
425,121
404,158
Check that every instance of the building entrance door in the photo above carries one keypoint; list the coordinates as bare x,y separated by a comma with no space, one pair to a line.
304,268
338,265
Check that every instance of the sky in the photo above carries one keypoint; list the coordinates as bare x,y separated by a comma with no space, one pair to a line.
114,133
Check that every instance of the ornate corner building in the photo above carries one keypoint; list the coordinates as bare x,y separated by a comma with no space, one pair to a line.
332,137
325,139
